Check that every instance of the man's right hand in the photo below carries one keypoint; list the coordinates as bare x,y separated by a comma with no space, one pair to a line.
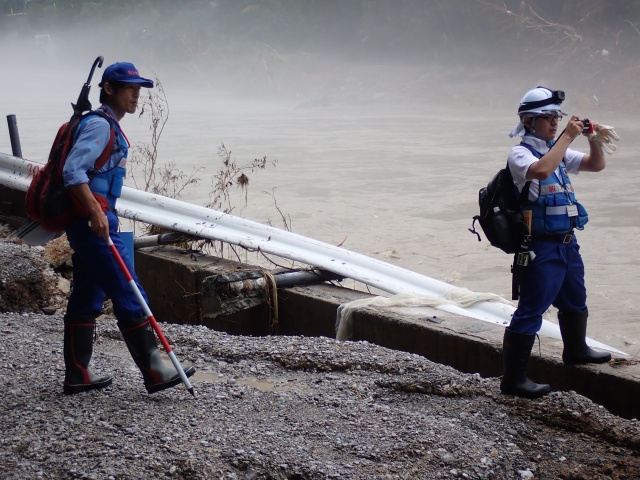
574,127
99,223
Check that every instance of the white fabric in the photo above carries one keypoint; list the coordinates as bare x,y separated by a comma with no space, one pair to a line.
520,159
455,296
518,131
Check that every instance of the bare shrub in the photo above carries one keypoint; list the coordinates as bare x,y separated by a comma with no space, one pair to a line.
168,180
165,179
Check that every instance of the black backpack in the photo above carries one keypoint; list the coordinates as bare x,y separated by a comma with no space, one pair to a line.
500,216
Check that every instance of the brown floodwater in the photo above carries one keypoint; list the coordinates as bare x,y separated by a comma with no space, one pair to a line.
395,181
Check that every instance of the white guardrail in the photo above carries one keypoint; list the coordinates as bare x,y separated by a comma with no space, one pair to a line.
206,223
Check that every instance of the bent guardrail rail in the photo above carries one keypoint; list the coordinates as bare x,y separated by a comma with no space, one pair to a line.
211,224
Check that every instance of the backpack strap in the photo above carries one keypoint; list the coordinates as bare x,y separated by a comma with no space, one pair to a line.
524,194
106,153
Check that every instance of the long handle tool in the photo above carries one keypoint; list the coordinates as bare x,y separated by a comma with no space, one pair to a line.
150,316
83,104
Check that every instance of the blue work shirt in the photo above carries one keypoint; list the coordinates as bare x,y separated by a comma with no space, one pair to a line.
91,139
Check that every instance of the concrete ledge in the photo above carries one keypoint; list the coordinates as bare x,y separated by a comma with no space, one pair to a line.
312,311
476,347
174,282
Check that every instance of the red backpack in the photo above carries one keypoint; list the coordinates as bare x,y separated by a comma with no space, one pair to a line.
48,202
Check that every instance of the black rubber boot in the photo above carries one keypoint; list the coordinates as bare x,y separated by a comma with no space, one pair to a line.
78,348
516,351
573,328
141,341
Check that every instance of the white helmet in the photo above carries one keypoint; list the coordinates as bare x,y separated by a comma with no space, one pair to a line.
541,101
538,101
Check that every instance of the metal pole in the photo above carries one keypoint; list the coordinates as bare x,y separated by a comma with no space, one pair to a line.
149,315
160,239
14,136
306,277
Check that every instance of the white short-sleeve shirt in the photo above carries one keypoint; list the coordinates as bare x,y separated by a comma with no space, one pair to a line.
520,159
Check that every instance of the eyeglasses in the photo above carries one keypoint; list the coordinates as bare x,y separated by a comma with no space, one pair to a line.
550,118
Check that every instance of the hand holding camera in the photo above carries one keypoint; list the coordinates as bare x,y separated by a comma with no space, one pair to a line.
587,128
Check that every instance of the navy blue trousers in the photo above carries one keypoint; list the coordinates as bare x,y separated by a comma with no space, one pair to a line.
555,277
96,273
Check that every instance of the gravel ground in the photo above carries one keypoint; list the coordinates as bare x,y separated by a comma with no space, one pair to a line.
288,407
283,408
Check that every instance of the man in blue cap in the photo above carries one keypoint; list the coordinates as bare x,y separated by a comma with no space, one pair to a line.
95,271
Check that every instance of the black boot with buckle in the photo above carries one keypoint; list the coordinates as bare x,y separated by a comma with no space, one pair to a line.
573,328
141,341
78,348
516,351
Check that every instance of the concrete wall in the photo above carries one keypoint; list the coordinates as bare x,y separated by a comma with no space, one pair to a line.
174,281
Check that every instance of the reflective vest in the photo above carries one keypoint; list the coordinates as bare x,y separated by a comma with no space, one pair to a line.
556,209
109,180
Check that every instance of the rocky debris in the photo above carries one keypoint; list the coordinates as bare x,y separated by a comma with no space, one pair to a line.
27,281
58,253
288,408
45,284
5,230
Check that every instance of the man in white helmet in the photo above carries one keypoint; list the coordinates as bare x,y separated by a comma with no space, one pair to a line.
555,274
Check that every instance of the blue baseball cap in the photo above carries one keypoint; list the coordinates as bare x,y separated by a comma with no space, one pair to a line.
124,72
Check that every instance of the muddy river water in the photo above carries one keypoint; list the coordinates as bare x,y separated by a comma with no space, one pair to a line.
398,182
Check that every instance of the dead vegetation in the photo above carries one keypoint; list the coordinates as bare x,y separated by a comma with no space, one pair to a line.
229,192
595,42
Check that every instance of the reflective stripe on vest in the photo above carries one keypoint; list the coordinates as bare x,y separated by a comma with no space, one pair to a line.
555,188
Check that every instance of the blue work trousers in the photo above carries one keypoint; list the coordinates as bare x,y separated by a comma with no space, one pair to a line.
555,277
96,272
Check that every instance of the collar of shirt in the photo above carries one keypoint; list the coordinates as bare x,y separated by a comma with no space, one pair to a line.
107,109
537,143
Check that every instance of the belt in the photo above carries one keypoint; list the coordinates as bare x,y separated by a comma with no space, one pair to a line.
557,238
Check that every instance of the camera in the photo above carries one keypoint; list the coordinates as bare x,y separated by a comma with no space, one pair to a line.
586,126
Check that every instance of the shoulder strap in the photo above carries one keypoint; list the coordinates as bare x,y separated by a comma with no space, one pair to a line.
535,153
106,153
524,194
